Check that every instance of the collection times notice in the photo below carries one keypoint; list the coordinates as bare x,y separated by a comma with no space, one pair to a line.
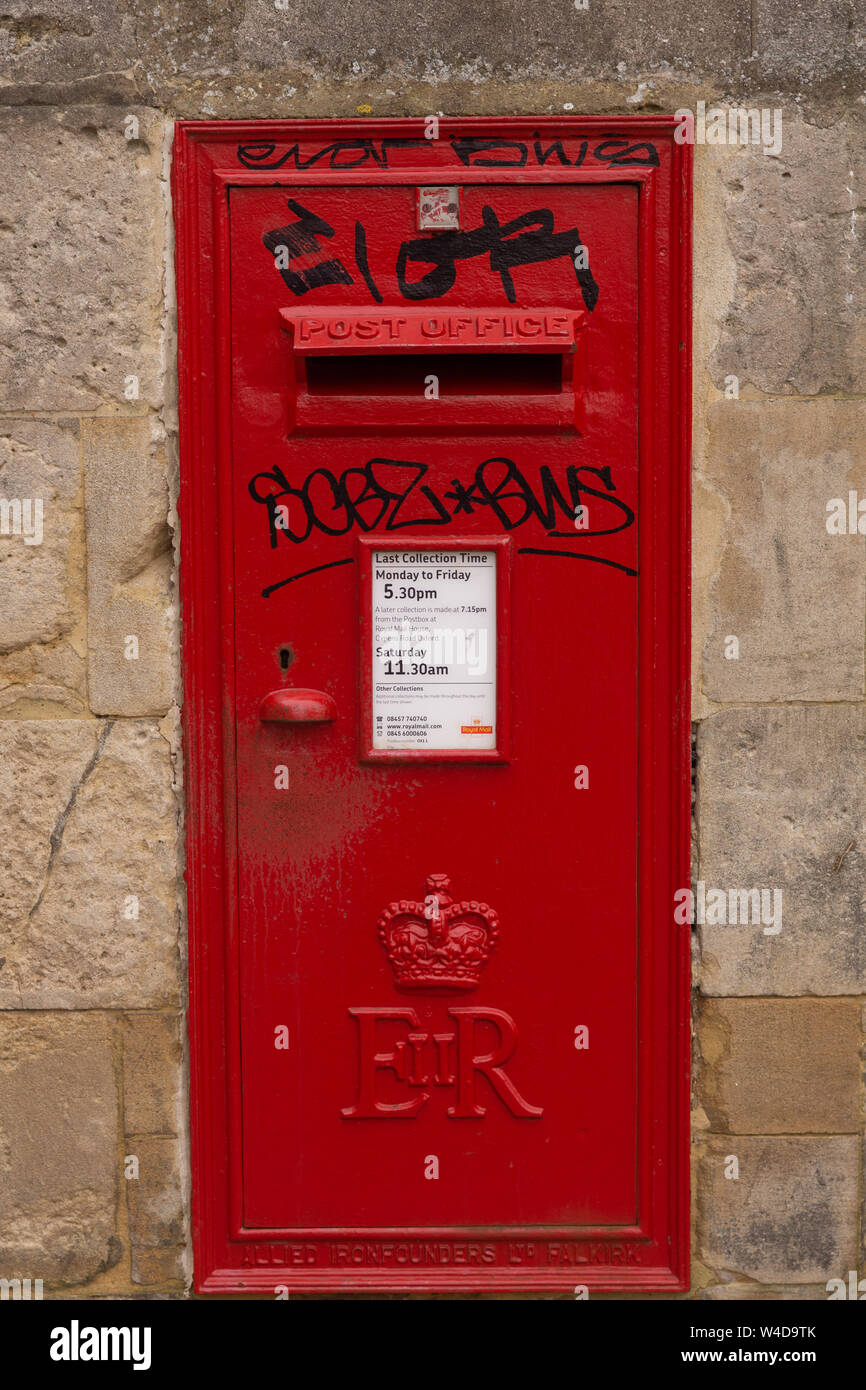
434,649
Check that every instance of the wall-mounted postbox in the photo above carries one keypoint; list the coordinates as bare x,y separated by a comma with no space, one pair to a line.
434,497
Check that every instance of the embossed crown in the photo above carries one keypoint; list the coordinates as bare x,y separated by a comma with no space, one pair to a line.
438,945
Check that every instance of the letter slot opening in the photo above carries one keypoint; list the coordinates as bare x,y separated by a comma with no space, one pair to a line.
455,374
478,369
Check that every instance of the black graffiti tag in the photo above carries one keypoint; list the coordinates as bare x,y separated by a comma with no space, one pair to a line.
515,154
301,239
472,151
526,240
392,494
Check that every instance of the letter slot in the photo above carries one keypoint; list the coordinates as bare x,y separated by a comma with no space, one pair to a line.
491,369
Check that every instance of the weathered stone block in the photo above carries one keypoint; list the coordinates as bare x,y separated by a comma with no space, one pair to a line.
58,1147
52,41
198,41
862,1265
154,1198
796,324
552,38
781,806
802,42
781,1066
161,1264
140,1296
82,257
792,595
88,912
863,1167
759,1293
790,1217
41,567
45,681
129,633
152,1056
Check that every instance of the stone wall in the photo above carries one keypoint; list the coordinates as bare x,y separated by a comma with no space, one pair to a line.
94,1185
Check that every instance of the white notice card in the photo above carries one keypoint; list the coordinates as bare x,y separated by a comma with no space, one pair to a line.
434,649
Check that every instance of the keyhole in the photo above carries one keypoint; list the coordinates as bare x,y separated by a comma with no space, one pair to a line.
286,657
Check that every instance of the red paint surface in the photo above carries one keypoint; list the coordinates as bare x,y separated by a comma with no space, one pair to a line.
574,1171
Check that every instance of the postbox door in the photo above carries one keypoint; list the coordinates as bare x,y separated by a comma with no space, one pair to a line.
369,1098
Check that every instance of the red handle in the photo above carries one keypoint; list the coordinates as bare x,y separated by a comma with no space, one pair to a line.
288,706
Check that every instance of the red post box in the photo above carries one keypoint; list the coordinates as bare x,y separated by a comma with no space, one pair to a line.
434,444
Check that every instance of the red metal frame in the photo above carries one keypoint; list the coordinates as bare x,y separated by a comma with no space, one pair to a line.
503,546
229,1258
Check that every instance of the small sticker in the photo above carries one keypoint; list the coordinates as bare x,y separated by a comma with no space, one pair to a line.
439,209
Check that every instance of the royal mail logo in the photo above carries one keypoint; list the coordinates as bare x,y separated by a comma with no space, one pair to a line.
436,947
476,728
